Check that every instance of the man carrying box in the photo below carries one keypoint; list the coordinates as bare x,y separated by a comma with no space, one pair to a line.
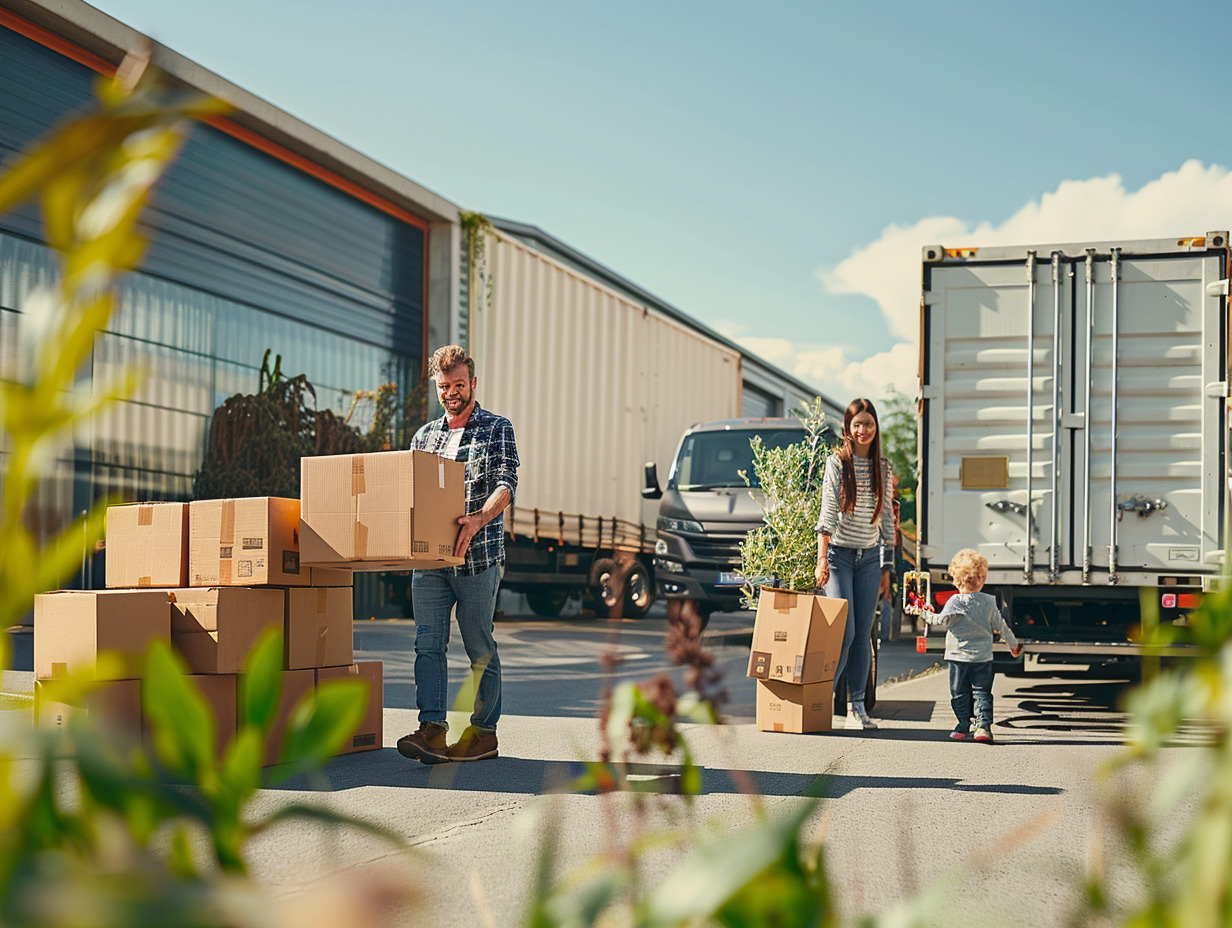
485,442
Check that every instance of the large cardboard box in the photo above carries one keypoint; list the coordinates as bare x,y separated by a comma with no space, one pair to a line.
319,627
147,545
214,628
389,510
369,735
797,637
296,684
795,707
72,627
245,542
221,691
116,704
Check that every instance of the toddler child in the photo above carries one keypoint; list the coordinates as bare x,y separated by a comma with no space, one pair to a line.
970,618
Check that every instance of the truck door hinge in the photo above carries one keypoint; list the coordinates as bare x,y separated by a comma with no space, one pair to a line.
1217,288
1218,388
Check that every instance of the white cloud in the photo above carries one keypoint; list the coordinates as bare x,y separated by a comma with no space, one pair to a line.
1191,200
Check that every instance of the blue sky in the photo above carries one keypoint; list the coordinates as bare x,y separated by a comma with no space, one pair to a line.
771,168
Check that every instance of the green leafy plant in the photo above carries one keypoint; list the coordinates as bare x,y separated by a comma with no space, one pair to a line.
783,551
899,438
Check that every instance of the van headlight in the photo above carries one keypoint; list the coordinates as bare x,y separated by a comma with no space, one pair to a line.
679,525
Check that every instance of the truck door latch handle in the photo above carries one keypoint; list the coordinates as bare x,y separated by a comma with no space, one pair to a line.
1005,505
1141,505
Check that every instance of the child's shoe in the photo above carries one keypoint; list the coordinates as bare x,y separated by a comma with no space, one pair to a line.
959,733
983,734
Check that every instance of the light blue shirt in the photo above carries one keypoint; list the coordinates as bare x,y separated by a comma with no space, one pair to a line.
969,620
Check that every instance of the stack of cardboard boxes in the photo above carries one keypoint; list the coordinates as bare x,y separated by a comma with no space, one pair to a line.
212,576
797,638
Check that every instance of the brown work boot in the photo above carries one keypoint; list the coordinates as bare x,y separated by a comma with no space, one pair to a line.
426,745
474,744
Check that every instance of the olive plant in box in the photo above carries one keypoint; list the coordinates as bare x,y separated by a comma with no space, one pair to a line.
783,551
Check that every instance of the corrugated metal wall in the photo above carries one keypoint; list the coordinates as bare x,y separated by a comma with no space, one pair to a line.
247,253
595,384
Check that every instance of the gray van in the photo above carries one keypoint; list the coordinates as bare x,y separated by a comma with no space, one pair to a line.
707,509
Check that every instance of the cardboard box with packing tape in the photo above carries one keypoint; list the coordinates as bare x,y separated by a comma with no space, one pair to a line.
796,636
319,628
795,707
73,627
252,541
369,734
214,628
147,545
387,510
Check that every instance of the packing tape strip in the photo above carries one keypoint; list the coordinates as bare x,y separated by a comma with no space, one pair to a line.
361,540
226,525
322,638
440,472
144,581
145,515
224,572
322,599
357,475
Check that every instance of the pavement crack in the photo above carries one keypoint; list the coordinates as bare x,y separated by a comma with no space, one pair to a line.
461,827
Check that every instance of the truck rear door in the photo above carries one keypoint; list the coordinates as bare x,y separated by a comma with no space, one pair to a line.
1074,398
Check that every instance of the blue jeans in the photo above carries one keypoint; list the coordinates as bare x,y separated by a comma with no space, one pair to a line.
967,680
433,594
855,575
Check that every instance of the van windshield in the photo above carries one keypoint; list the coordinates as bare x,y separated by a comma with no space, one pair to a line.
709,460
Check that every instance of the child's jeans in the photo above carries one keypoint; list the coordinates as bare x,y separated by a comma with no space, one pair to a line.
970,680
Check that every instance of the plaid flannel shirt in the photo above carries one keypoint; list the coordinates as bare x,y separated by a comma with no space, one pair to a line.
491,455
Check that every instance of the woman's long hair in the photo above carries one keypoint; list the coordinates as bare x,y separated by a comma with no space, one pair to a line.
847,499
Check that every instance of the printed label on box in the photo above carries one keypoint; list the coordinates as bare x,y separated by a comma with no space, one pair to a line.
780,635
422,547
244,569
251,543
290,562
224,552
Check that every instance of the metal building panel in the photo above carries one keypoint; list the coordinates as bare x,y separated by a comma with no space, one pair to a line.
595,384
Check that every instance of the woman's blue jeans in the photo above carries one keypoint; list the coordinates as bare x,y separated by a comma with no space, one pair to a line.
434,593
855,575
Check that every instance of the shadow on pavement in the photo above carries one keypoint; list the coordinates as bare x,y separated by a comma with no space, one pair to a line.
387,768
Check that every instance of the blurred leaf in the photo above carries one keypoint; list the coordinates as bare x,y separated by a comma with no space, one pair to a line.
723,872
261,682
322,723
182,724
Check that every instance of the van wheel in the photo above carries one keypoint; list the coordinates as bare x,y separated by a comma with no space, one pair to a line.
547,601
639,591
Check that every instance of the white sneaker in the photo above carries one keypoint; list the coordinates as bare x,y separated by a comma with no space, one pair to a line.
860,722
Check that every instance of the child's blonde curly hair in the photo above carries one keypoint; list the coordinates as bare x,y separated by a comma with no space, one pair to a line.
969,568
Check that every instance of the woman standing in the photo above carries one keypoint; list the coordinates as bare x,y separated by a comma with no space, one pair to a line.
855,544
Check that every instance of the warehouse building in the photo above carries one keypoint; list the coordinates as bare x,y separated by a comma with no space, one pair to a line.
265,234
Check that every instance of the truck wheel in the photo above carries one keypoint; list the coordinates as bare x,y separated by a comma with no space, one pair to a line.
547,601
639,592
605,588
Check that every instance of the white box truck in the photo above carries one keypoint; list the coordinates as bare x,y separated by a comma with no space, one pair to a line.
1074,431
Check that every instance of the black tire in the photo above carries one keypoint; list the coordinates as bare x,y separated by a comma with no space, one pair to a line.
639,592
605,588
547,601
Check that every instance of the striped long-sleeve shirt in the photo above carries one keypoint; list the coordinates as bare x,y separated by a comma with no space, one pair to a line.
856,529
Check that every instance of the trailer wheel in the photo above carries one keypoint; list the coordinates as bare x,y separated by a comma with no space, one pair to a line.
639,591
605,588
547,601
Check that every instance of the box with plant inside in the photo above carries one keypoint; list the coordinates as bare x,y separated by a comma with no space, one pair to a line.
797,634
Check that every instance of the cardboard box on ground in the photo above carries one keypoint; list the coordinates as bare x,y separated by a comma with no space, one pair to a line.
150,549
797,638
388,510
